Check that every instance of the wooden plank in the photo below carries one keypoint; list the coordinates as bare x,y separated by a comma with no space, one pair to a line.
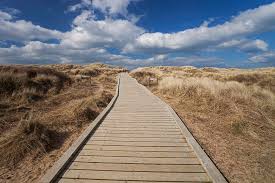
136,154
135,176
135,148
69,180
141,144
130,117
145,112
138,160
142,139
138,132
133,119
139,125
144,122
138,110
158,126
148,124
140,135
141,120
135,167
156,116
139,129
138,116
149,113
66,180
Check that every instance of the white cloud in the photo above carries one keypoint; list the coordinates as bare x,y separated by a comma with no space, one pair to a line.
255,45
38,52
88,32
84,4
252,21
90,38
245,45
12,11
5,16
107,7
267,57
196,61
22,30
161,57
112,7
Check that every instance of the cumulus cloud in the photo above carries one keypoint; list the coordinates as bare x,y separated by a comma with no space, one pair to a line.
112,7
88,32
11,11
84,4
21,30
90,38
254,46
245,45
5,16
197,61
249,22
107,7
38,52
267,57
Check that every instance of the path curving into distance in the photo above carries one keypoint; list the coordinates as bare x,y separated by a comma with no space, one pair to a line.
140,140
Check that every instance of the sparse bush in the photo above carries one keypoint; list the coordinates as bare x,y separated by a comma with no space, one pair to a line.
86,110
31,95
42,79
248,78
90,72
238,127
209,69
104,99
31,74
45,82
145,77
10,82
105,79
264,80
29,136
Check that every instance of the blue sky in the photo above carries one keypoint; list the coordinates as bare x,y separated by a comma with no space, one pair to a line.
135,33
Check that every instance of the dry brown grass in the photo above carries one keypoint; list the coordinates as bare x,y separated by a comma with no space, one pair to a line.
261,77
230,111
144,77
27,137
42,111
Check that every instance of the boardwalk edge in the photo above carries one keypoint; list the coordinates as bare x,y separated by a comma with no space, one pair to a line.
58,167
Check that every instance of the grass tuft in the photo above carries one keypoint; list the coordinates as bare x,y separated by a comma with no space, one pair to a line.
28,136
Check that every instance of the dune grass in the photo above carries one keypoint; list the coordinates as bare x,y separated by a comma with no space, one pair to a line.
42,111
28,136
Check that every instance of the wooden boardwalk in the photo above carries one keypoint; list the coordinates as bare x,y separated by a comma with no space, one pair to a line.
139,140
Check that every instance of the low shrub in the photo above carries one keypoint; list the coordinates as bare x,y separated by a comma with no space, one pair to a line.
29,136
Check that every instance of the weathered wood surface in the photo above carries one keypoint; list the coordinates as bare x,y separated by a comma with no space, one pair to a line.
140,140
